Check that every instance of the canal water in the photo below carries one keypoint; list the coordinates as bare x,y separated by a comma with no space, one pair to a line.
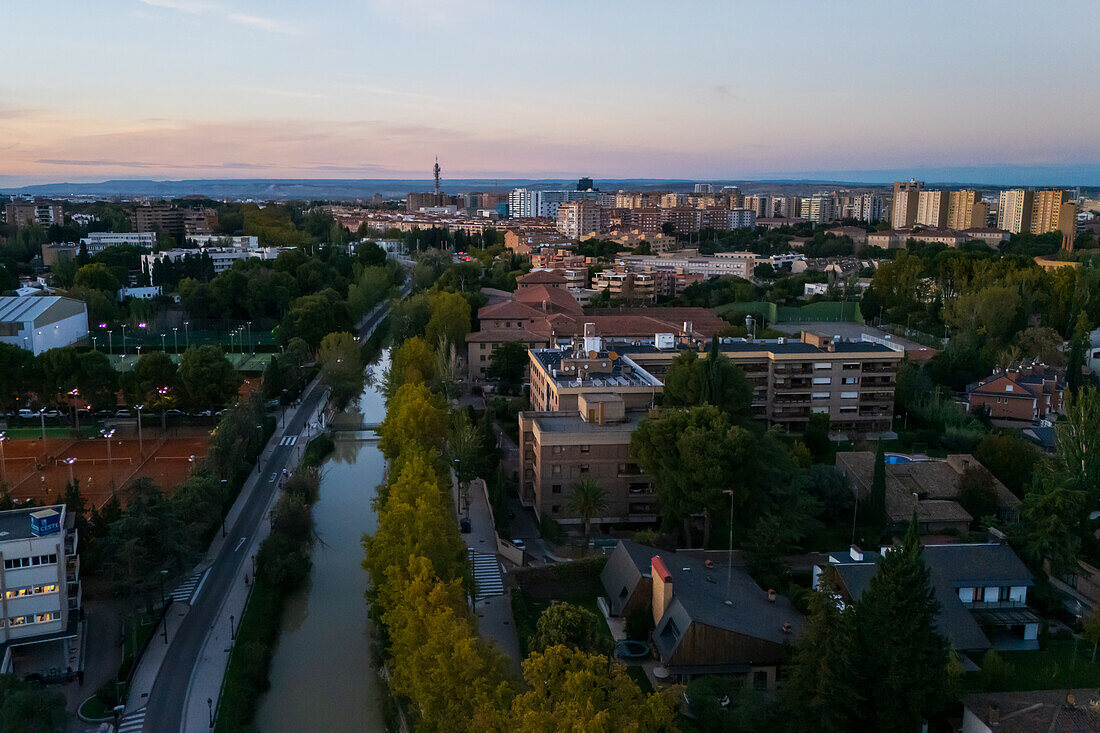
322,675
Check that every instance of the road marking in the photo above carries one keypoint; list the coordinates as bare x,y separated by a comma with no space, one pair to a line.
199,588
487,573
289,440
185,591
133,722
239,544
274,476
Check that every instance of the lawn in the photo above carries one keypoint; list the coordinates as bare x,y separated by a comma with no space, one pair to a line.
1063,664
32,432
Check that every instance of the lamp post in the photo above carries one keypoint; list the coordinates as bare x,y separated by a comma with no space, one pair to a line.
210,708
124,339
186,333
251,347
176,339
70,461
163,605
141,444
162,342
3,463
76,409
224,482
110,342
232,628
107,435
93,344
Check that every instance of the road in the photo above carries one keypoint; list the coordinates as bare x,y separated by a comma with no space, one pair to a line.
164,709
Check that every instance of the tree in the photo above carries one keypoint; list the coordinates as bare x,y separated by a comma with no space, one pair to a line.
413,361
96,379
311,317
683,382
28,707
206,378
74,504
450,318
903,658
575,692
17,366
508,363
977,495
462,446
414,419
341,367
714,380
875,516
572,626
587,501
1078,347
96,276
1010,458
823,690
154,371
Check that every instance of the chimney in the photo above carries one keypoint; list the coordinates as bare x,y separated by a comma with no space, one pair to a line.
771,595
662,587
856,553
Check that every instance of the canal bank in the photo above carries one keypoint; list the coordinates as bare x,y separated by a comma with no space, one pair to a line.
322,674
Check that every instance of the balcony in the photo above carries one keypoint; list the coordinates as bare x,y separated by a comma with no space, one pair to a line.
72,569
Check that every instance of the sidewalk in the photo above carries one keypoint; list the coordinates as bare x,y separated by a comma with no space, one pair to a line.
494,614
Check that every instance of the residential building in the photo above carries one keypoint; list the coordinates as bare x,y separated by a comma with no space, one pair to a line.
850,381
950,237
903,212
736,264
415,202
222,241
966,210
41,599
159,216
1025,393
578,218
789,207
622,283
819,208
858,235
1052,211
759,204
199,221
223,257
1050,711
704,188
40,323
22,213
1014,210
585,403
990,235
866,207
658,243
709,617
524,202
96,242
927,486
979,587
932,208
525,241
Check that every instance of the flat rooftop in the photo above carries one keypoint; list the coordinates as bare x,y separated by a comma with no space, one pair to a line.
571,422
635,376
770,346
15,524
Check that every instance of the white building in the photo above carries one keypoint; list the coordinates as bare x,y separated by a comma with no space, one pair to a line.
867,207
141,292
524,202
220,240
41,598
819,208
96,242
223,257
40,323
735,264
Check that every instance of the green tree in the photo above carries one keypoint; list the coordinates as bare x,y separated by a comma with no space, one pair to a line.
684,381
341,367
977,494
17,366
153,373
875,516
1078,348
28,707
450,318
587,501
412,362
572,626
508,363
1010,458
96,379
823,690
96,276
206,378
903,658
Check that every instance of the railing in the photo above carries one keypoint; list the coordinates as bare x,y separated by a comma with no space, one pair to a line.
994,605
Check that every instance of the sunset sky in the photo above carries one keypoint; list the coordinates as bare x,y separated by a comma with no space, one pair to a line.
175,89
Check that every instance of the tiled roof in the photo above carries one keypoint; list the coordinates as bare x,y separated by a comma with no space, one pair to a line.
541,277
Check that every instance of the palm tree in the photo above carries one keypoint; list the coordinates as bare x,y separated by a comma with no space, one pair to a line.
587,500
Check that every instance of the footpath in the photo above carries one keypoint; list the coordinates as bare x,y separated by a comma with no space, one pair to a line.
210,667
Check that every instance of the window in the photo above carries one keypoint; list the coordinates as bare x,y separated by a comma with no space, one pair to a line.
671,631
555,489
849,380
760,680
821,395
556,509
823,380
849,395
482,357
584,448
555,470
557,450
819,365
583,468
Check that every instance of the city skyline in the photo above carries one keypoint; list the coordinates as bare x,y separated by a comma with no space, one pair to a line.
182,89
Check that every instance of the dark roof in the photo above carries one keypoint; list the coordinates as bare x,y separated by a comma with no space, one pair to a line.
950,567
1040,710
700,595
15,524
541,277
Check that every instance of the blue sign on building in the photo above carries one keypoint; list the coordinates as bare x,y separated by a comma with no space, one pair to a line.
45,522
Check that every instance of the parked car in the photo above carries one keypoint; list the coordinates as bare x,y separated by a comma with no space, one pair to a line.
464,525
51,414
27,414
174,411
123,413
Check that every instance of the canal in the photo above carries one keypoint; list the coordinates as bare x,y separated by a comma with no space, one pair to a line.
322,675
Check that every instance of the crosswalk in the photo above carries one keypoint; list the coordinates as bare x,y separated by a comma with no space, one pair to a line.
486,573
183,592
133,722
289,440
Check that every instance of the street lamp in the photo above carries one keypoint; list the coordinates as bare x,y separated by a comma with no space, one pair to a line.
163,605
110,342
176,339
107,435
232,628
124,339
186,333
70,461
3,463
162,342
76,409
141,444
223,485
251,347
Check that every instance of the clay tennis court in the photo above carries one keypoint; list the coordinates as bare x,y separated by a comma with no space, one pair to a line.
167,461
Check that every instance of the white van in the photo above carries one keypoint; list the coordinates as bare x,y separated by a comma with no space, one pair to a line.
27,414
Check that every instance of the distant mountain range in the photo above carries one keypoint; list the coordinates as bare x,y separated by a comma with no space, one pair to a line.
351,189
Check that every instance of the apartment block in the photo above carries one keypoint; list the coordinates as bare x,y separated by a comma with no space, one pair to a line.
819,208
623,284
41,593
966,210
866,207
1052,211
932,208
40,211
904,207
578,218
165,217
1014,210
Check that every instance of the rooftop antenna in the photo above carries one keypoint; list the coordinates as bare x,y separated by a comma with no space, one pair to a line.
435,172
